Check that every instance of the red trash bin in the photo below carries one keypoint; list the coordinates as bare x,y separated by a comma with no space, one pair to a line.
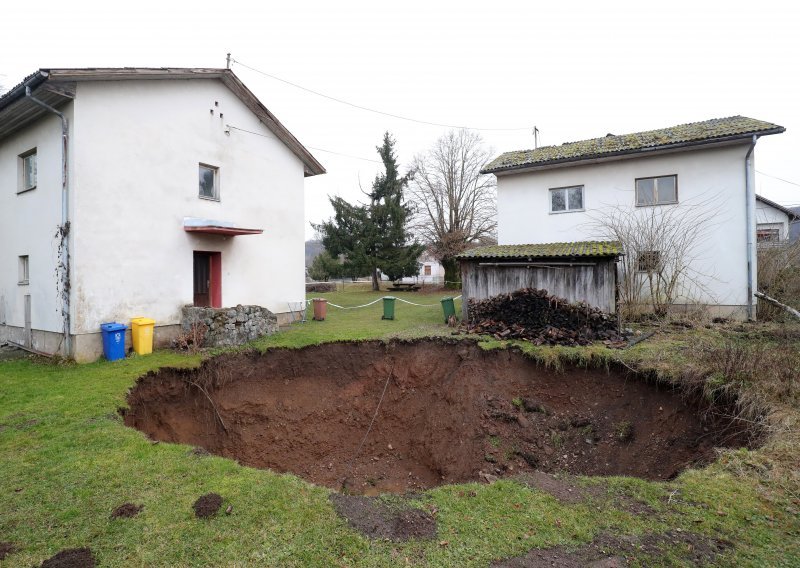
320,309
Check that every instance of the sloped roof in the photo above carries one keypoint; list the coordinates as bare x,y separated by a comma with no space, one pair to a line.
790,212
581,249
714,131
57,86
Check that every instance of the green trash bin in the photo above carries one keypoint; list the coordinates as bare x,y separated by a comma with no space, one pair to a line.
449,307
388,308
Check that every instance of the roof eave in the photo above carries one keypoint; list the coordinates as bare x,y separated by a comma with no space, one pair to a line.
311,166
535,258
650,150
791,214
33,80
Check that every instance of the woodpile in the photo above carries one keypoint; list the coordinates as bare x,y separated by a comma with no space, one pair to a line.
536,316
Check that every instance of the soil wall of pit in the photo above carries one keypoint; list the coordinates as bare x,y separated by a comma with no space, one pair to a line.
452,412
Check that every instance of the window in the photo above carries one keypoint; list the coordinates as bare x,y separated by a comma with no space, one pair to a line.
649,261
656,190
24,271
427,270
27,178
209,182
564,199
767,234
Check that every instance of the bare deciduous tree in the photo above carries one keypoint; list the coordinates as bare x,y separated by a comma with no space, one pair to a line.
662,252
455,204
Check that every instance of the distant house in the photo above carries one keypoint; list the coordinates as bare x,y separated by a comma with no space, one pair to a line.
773,222
555,194
430,269
179,187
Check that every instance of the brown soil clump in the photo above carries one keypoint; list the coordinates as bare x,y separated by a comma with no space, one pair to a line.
71,558
126,511
452,412
613,552
375,519
6,548
207,505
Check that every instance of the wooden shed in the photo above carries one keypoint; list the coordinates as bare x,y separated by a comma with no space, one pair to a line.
580,272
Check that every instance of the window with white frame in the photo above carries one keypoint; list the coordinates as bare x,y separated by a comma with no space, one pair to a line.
565,199
661,190
24,270
27,177
209,182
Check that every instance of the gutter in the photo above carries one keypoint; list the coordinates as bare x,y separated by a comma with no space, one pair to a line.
751,229
64,228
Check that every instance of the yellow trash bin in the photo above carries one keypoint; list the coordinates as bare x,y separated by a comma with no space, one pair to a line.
142,335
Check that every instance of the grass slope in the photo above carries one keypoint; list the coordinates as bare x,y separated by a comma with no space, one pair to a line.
66,461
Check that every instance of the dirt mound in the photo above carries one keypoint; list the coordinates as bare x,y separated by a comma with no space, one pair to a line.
376,519
126,511
608,551
207,505
535,315
71,558
6,548
452,412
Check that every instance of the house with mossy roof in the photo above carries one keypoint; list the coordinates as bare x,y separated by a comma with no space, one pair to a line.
693,183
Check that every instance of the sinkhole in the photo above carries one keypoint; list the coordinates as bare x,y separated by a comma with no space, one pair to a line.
447,412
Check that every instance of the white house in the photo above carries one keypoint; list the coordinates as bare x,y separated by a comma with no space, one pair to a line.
557,193
773,222
431,270
178,187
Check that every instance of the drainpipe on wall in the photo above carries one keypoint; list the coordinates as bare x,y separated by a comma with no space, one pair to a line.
751,254
64,229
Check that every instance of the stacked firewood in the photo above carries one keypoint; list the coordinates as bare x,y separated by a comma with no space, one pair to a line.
535,315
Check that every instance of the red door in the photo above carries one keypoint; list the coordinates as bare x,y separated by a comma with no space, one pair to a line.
207,279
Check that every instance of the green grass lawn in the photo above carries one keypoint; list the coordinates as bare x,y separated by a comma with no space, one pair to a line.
66,461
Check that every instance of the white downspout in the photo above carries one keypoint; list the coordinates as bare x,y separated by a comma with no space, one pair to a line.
64,229
751,230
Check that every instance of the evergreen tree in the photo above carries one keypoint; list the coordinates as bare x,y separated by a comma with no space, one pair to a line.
374,237
325,267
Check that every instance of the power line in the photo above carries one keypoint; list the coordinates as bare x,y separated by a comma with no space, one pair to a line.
310,147
777,178
360,107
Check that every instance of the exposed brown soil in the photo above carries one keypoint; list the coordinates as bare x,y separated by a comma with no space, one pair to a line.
207,505
452,412
608,551
376,519
71,558
126,511
6,548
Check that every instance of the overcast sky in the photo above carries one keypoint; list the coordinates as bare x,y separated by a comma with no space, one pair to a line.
576,70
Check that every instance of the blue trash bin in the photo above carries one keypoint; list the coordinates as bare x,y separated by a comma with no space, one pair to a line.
113,340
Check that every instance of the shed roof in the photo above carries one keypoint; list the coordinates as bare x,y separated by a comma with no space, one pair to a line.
57,86
580,249
682,136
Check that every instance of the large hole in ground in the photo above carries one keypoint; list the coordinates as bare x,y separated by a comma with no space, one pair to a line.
452,412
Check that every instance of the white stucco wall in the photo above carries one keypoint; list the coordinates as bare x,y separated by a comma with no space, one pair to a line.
769,216
28,224
711,176
138,146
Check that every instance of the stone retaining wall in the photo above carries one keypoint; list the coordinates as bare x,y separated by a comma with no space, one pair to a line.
229,326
